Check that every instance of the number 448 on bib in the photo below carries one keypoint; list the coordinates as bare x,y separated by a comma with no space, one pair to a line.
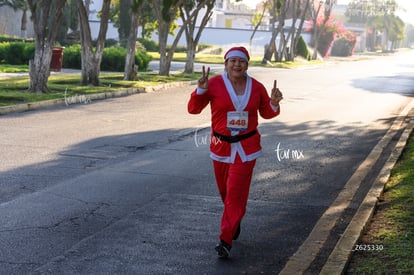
237,121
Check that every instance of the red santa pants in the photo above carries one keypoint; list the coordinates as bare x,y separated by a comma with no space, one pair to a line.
233,182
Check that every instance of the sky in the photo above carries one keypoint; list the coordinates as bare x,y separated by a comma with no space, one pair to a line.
407,15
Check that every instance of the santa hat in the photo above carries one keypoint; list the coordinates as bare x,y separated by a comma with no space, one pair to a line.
237,52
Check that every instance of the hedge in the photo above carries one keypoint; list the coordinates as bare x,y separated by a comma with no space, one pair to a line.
343,47
113,58
16,53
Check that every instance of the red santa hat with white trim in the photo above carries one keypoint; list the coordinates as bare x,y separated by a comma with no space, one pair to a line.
237,52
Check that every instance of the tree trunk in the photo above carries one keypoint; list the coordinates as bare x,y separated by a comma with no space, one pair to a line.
192,40
131,69
90,67
299,30
91,60
163,29
281,29
23,27
271,48
39,67
191,44
315,38
190,57
315,44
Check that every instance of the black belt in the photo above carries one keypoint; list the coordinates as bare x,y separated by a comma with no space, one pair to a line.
233,139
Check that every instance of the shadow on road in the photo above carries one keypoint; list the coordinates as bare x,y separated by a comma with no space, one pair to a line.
395,83
147,202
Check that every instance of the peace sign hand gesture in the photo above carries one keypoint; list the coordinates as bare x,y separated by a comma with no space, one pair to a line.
203,81
276,96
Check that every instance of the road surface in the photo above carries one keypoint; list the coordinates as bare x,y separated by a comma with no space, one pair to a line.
125,185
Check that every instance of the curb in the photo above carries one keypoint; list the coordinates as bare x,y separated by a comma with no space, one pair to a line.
85,99
340,256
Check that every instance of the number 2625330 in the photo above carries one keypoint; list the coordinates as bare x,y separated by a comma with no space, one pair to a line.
368,247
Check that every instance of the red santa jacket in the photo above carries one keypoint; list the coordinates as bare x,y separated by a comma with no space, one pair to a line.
223,99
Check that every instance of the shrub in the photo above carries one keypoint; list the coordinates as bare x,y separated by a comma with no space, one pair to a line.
3,51
201,47
150,45
28,52
113,58
72,57
302,49
139,46
142,59
342,47
14,54
325,43
110,42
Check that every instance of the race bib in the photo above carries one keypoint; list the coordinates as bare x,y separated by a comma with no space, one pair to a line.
237,121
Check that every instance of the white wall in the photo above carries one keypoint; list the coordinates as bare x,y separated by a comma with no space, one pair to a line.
10,22
227,38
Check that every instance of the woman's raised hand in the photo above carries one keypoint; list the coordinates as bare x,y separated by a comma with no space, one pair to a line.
276,96
203,81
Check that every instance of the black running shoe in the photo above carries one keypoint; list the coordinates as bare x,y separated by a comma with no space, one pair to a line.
237,233
223,249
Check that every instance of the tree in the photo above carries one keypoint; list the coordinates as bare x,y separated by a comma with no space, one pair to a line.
189,10
73,15
91,58
39,67
279,52
392,28
283,10
409,35
257,20
300,9
277,10
319,28
376,14
300,12
130,67
147,20
166,12
124,19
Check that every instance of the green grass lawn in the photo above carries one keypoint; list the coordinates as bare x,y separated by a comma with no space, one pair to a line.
392,226
5,68
14,90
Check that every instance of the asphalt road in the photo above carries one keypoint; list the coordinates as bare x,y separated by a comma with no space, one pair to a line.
125,185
